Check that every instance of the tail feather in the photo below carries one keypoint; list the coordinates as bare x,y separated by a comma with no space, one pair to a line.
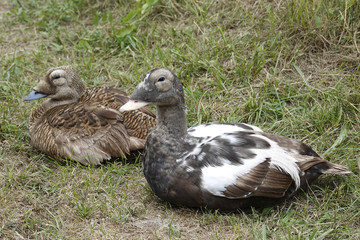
334,168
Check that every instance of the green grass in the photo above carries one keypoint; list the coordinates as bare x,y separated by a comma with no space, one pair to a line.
289,67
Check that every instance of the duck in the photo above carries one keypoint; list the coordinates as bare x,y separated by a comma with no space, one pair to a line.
224,166
84,124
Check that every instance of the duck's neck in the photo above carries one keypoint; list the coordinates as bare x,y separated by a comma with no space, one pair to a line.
173,119
66,97
50,103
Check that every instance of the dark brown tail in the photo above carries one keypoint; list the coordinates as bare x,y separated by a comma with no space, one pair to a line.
334,168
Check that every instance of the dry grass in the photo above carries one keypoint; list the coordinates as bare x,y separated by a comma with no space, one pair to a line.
290,67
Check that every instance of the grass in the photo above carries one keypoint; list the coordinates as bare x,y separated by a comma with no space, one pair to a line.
289,67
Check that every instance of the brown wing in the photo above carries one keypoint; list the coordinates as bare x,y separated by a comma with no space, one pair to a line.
262,180
88,133
138,122
266,181
110,97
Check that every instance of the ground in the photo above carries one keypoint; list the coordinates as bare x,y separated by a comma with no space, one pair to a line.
289,67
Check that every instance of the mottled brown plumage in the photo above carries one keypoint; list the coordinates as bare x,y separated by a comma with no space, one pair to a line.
84,124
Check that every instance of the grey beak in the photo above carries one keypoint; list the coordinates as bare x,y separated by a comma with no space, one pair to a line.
34,95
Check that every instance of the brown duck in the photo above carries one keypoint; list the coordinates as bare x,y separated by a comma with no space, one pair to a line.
84,124
218,165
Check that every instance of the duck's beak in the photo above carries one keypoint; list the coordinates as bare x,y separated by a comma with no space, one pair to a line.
34,95
133,105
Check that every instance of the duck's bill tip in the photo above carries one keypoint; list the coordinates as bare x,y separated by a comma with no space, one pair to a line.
133,105
34,95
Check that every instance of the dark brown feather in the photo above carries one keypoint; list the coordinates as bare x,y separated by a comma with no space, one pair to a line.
275,184
247,184
262,181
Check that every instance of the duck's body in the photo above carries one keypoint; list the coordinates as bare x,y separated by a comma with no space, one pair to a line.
225,166
84,124
218,166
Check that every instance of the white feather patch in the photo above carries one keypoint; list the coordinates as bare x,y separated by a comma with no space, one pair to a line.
215,129
215,179
281,159
146,77
253,127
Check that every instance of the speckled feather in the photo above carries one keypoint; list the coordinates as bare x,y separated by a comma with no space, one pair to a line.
219,166
91,128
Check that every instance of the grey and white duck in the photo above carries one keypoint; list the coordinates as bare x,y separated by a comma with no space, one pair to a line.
84,124
217,165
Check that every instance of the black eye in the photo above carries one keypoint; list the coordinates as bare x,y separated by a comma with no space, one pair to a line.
161,79
57,76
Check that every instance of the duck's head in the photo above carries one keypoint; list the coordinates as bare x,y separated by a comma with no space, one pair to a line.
160,87
61,84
